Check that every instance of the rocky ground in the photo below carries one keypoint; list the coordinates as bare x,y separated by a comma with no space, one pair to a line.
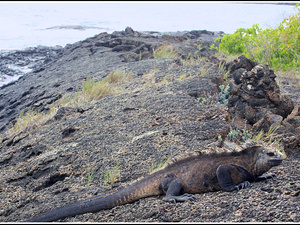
155,117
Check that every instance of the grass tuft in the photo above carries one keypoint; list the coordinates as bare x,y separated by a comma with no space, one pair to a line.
165,51
112,175
91,91
29,118
95,90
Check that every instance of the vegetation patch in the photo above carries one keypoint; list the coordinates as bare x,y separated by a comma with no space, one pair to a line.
29,118
91,91
278,47
95,90
160,165
90,176
112,175
165,51
210,98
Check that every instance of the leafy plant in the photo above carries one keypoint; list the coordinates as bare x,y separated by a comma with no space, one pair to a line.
279,47
241,136
210,98
223,94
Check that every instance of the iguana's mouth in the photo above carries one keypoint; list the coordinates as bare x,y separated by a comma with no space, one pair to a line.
275,162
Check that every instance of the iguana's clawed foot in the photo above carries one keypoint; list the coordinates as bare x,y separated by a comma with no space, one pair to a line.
266,176
180,198
242,185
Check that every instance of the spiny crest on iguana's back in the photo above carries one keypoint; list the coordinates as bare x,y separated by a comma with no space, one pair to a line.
214,153
233,150
228,149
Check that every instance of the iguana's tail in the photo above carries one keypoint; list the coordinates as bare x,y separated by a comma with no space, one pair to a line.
140,189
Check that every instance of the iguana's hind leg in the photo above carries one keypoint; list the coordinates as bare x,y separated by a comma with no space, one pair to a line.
225,174
173,189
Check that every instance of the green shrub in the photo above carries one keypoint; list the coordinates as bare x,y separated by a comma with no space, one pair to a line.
279,47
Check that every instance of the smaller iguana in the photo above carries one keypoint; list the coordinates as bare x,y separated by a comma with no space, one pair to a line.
195,174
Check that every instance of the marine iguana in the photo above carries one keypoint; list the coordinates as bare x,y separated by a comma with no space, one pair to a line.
226,171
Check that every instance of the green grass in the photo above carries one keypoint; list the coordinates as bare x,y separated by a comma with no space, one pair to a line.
111,175
160,165
90,176
269,136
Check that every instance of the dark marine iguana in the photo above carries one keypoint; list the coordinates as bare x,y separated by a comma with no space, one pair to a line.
226,171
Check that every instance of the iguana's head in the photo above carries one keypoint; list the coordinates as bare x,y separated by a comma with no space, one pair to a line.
265,158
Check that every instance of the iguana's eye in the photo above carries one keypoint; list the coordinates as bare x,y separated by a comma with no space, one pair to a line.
270,154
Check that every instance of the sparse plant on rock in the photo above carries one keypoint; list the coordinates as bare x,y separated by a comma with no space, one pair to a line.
239,136
95,90
215,98
112,175
29,118
160,165
90,176
165,52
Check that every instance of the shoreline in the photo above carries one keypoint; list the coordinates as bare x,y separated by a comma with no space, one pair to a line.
16,63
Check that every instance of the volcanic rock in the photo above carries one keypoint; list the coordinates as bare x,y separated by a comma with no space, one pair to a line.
156,115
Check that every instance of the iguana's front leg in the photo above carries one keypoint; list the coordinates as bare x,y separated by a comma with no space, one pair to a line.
173,188
265,177
225,175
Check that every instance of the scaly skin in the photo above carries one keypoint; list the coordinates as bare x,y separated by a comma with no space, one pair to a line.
197,174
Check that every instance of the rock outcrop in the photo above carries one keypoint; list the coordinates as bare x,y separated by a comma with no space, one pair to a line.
255,100
61,71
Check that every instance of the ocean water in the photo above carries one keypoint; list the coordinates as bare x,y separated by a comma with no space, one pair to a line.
28,24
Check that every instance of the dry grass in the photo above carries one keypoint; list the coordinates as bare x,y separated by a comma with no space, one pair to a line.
29,118
190,60
91,91
292,73
165,51
95,90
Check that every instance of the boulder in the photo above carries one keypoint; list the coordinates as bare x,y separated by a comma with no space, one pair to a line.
255,99
255,95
